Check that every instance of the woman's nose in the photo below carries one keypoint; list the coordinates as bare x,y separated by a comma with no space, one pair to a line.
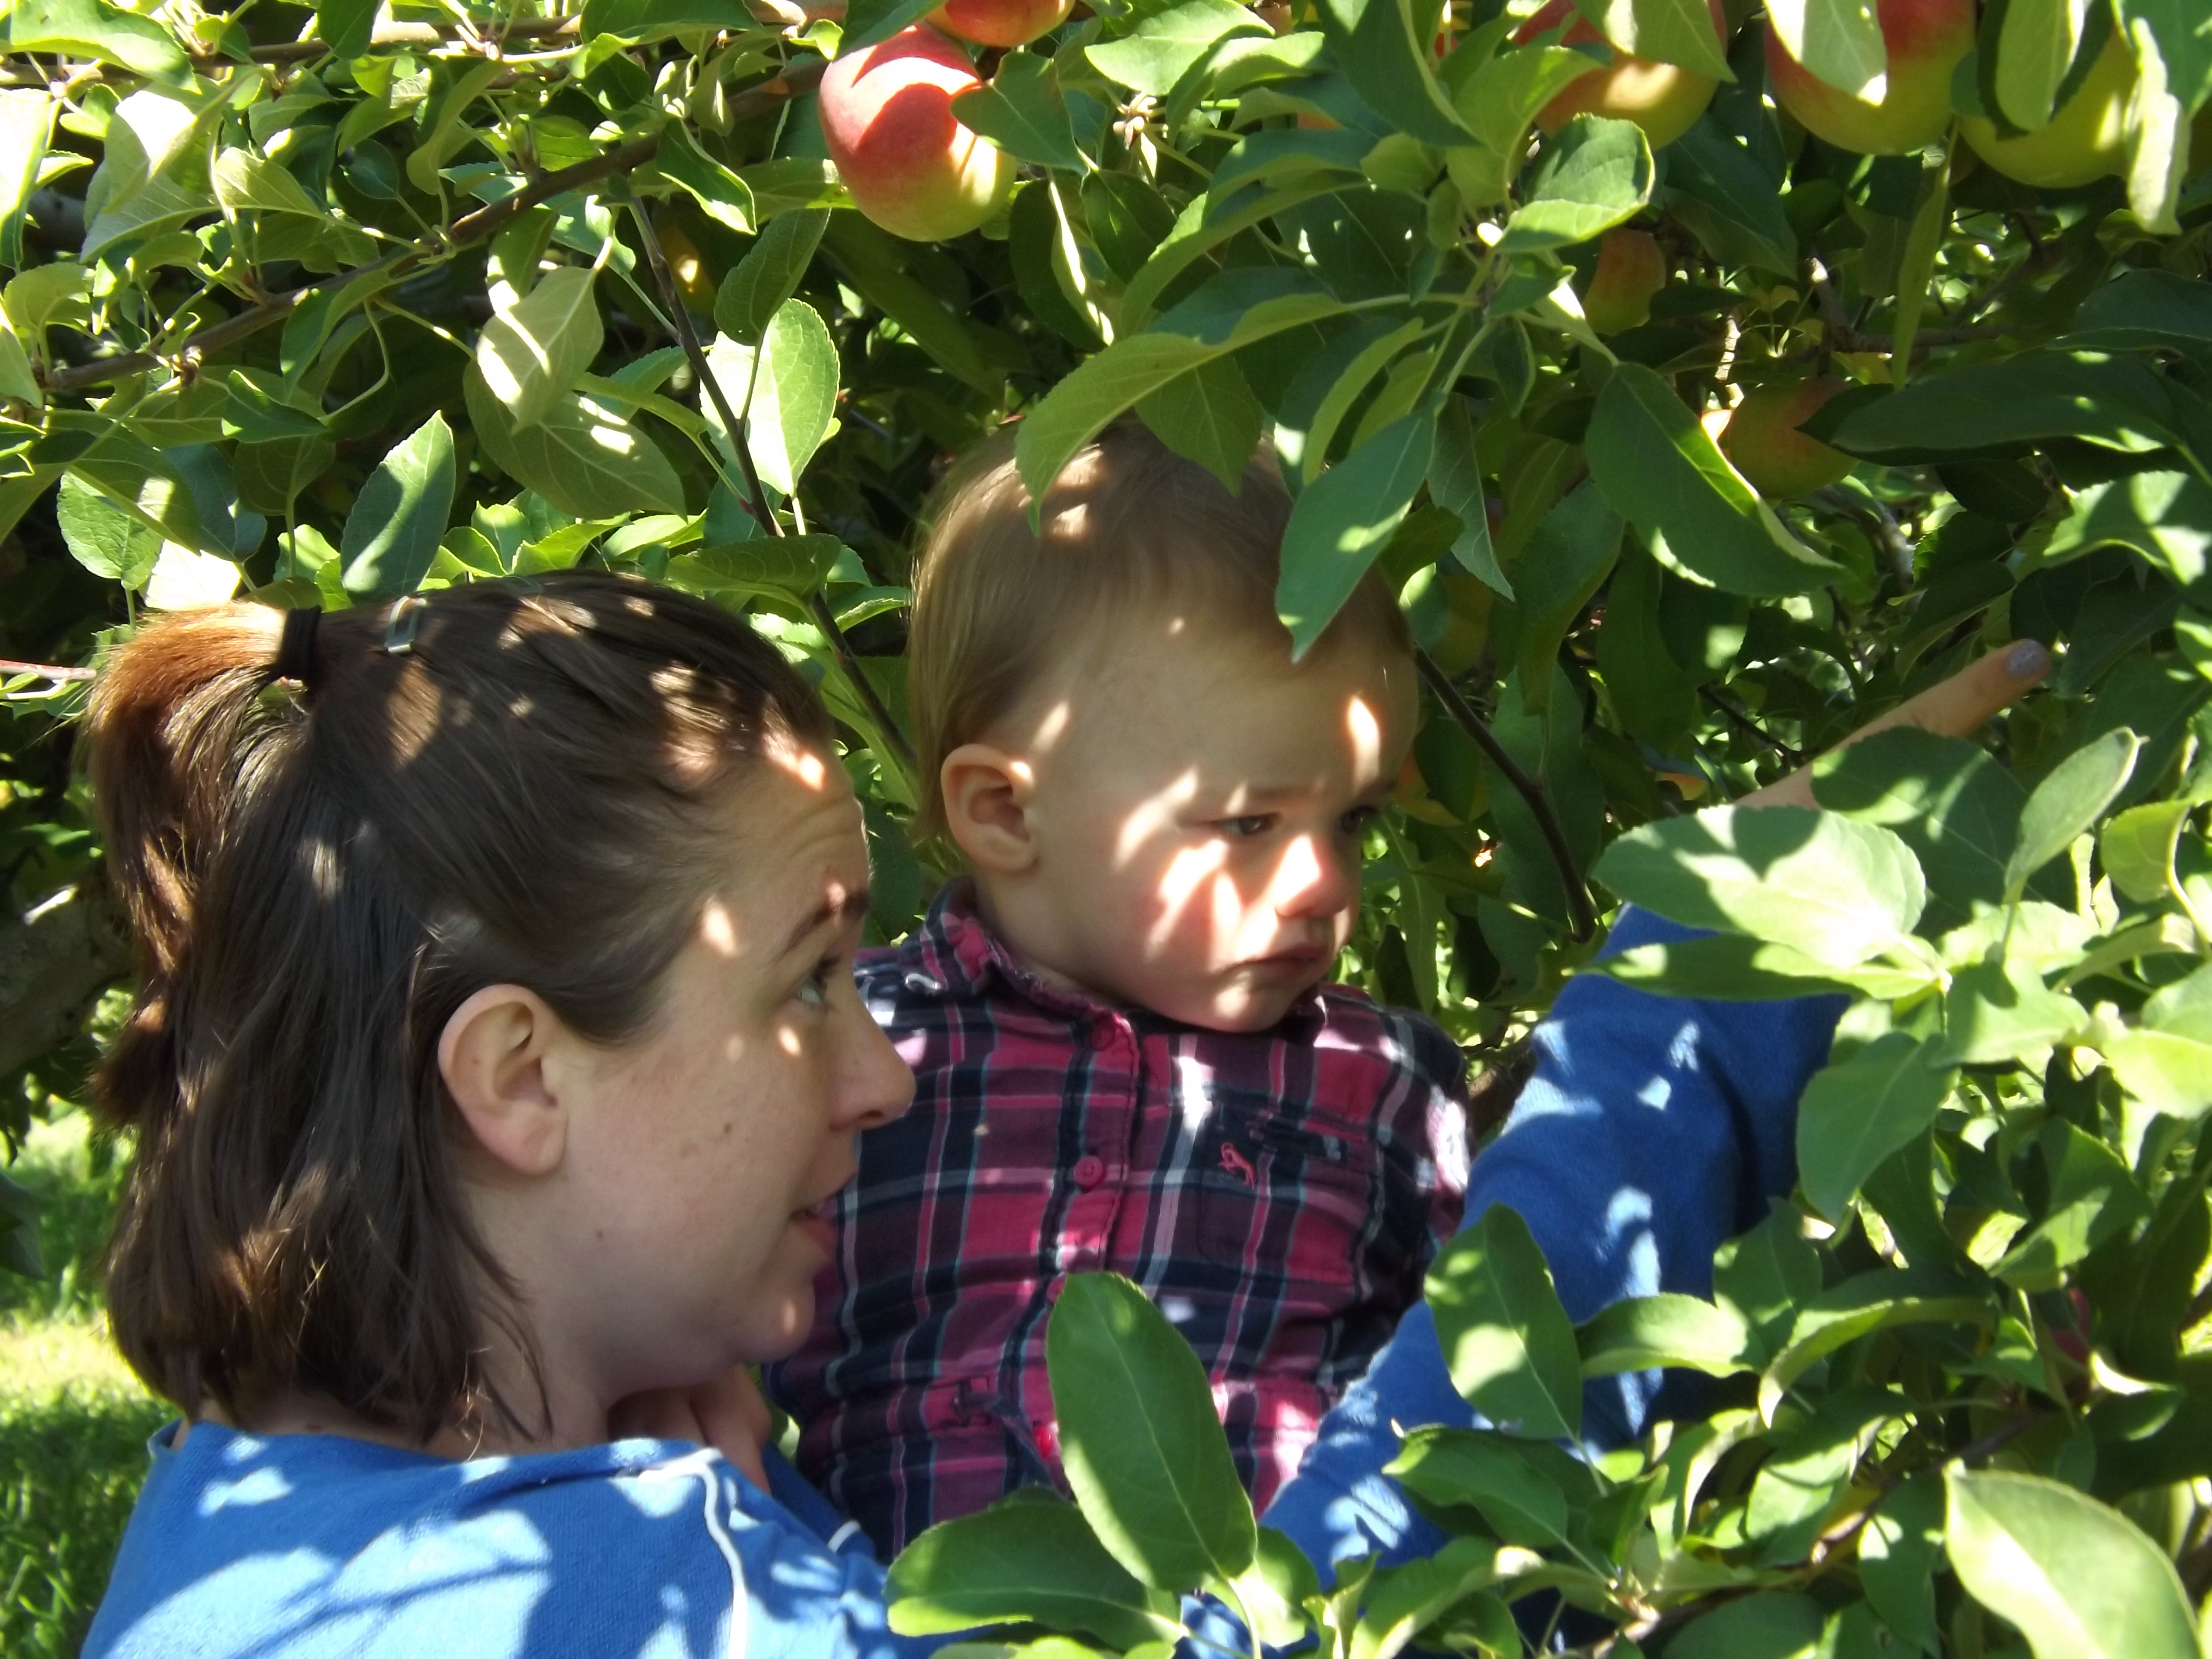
875,1086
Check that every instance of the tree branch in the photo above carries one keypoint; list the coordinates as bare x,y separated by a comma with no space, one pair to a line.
1582,918
44,671
737,426
468,227
55,960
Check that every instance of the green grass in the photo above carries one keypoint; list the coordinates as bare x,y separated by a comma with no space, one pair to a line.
73,1420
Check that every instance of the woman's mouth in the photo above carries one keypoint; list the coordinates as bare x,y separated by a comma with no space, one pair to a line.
817,1224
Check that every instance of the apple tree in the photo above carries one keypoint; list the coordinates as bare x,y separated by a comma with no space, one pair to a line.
1704,379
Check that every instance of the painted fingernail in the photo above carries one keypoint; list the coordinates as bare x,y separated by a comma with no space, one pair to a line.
2028,658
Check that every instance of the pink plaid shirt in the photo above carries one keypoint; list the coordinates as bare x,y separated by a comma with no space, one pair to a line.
1278,1194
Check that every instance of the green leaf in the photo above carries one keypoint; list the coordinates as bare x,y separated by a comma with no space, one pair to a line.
27,125
1995,1012
1666,31
1343,519
769,274
443,131
17,379
104,539
1771,1624
1897,1556
876,264
1141,1441
1208,416
398,520
531,354
1508,1343
1645,1332
1565,562
2078,1580
585,458
2068,801
2167,517
1731,968
1384,47
646,20
1493,1472
94,29
1662,472
1871,1302
254,415
1954,806
1729,202
793,380
2115,403
244,181
789,567
1837,891
2146,307
1839,41
1233,310
1595,174
2036,41
19,1232
1024,1560
346,27
1497,104
1025,113
721,194
1456,484
2091,1197
1857,1112
1154,55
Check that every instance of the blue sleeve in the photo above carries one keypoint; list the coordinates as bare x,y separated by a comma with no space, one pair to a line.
1653,1129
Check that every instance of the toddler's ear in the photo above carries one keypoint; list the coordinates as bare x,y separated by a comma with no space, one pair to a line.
986,798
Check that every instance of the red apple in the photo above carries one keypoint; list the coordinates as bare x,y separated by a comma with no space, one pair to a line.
910,165
1925,39
1665,99
1631,269
1000,22
2086,139
1760,438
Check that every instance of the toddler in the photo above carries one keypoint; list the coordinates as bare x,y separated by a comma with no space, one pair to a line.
1126,1055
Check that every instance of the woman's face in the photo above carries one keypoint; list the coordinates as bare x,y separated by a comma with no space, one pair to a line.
702,1154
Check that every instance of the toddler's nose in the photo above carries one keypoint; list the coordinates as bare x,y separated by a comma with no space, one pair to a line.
1311,880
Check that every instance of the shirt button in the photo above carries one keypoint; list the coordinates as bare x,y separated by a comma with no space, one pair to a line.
1089,1169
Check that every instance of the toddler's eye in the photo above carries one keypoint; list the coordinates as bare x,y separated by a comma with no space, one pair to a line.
1243,828
814,989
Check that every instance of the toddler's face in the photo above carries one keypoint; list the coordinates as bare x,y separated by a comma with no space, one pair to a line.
1199,809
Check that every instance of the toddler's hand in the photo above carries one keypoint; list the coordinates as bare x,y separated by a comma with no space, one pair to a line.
727,1413
1955,708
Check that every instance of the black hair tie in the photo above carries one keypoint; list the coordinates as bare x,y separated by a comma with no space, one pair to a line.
296,655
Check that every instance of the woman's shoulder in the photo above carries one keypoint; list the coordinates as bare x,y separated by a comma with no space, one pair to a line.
312,1546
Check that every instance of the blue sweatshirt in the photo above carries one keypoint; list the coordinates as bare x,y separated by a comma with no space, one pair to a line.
1652,1129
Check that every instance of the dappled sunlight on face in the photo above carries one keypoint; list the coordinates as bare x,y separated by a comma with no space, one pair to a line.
1200,818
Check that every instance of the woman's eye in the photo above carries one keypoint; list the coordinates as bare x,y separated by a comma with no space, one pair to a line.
1252,823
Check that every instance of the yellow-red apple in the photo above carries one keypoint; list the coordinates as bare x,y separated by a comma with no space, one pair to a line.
911,166
2086,139
1925,39
1665,99
1000,22
1760,438
1631,269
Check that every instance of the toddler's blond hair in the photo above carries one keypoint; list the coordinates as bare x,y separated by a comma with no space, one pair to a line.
1128,527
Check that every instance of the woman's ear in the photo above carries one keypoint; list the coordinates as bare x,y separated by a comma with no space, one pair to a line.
987,799
492,1056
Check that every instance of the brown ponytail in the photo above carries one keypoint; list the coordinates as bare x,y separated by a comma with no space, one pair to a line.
317,877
